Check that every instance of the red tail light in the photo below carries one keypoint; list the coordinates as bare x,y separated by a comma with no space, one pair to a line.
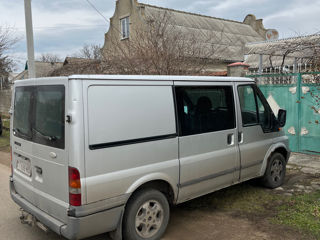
74,187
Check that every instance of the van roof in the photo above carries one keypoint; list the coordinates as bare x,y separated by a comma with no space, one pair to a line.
133,78
160,78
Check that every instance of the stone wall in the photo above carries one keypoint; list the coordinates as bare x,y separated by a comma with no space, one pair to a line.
5,101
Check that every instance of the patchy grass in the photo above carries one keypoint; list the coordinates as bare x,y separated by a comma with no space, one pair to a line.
5,137
245,198
301,212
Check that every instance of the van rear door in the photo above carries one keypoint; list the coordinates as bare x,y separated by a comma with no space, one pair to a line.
40,158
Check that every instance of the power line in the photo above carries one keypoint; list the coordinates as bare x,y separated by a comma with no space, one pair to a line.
94,7
56,27
107,20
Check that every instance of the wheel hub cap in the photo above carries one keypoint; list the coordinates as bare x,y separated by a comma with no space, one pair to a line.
276,170
149,219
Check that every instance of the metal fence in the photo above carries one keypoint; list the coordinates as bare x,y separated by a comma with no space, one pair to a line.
299,94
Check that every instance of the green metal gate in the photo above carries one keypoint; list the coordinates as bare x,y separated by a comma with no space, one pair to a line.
299,94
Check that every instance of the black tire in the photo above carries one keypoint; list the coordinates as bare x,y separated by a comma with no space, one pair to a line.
153,223
275,172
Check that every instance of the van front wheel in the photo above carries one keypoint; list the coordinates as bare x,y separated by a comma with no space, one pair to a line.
275,172
146,216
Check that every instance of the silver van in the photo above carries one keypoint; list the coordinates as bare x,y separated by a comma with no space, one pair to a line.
96,154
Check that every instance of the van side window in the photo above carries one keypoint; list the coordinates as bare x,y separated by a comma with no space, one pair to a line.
205,109
264,114
254,107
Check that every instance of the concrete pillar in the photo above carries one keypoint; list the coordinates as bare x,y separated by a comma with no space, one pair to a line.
260,64
295,64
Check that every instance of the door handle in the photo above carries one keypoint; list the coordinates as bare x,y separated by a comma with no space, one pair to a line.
230,139
39,170
240,137
38,176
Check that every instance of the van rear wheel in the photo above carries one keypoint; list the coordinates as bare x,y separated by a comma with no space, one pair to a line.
275,172
146,215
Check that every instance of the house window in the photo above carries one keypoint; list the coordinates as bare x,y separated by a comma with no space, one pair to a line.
124,22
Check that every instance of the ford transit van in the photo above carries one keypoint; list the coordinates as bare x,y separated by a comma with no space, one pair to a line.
96,154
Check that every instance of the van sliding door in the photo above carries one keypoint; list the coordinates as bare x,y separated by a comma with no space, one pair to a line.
209,156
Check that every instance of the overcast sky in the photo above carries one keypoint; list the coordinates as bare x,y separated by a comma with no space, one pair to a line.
63,26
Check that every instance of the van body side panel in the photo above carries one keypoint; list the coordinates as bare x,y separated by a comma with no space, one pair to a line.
118,168
76,150
207,164
130,134
253,150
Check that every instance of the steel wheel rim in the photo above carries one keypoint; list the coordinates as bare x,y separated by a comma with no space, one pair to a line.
149,219
276,170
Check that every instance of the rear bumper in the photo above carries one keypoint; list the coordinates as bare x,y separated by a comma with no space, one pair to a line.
75,227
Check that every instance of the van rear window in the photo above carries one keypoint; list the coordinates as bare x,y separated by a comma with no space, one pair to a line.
39,114
22,112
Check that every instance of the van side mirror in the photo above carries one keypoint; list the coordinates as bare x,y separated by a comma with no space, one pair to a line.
282,117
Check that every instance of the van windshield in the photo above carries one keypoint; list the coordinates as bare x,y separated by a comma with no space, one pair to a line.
39,114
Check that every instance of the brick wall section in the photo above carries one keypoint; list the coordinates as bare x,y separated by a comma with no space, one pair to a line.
5,101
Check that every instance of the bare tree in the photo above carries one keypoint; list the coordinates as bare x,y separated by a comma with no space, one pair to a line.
303,48
7,41
49,57
162,48
91,51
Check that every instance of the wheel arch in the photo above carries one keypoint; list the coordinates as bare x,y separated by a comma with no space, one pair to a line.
278,147
156,181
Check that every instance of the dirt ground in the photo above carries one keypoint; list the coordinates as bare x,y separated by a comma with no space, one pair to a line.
197,224
192,220
5,158
198,219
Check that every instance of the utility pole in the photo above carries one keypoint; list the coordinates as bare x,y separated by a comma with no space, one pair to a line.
29,33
